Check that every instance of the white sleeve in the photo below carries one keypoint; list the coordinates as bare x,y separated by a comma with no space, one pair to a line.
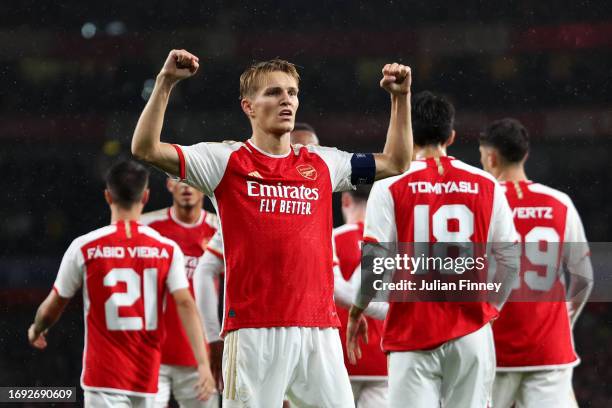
578,262
377,310
177,277
70,275
379,226
215,245
339,164
345,292
206,296
502,227
380,214
504,245
202,165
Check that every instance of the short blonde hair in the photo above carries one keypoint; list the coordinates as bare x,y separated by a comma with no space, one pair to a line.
249,79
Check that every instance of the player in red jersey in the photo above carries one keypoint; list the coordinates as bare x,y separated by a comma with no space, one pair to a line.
440,353
369,376
278,289
212,267
125,270
533,340
191,227
369,385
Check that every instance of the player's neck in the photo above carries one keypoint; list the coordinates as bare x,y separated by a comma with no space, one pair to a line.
512,173
187,215
122,214
355,215
429,152
271,143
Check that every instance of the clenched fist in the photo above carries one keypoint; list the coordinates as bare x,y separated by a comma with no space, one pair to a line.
180,64
396,79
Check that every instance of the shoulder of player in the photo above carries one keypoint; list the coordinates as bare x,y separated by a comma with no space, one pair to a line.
211,219
552,192
386,183
458,164
95,235
323,151
217,148
151,233
154,216
343,229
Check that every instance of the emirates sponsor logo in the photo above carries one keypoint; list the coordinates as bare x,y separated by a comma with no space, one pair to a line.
255,174
255,189
307,171
283,199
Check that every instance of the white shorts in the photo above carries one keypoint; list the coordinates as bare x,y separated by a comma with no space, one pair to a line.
98,399
542,389
180,381
457,374
370,394
261,365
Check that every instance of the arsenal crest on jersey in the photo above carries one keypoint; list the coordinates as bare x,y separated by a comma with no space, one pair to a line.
307,171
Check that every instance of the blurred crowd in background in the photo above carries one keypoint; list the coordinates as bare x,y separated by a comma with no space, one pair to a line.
75,76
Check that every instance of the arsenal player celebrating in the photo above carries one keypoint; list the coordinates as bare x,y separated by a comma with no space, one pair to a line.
191,227
533,340
125,270
279,317
440,353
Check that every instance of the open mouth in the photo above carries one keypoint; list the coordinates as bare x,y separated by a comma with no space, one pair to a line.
286,113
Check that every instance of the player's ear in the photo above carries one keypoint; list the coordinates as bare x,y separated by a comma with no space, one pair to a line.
170,184
451,139
493,158
145,196
247,106
108,197
346,200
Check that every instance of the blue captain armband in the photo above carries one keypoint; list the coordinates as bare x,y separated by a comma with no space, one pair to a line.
363,168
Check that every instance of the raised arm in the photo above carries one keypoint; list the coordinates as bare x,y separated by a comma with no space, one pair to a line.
397,154
146,143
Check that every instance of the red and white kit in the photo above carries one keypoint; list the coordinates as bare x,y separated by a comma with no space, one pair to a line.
178,374
533,338
125,270
285,279
207,276
440,200
192,239
369,375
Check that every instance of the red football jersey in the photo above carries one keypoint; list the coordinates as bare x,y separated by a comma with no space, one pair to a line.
285,277
373,362
125,270
537,335
192,239
437,200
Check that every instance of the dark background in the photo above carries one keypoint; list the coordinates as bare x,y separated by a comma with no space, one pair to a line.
75,75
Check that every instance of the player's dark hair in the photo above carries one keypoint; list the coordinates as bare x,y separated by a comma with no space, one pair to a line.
304,127
361,193
126,181
509,137
433,119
